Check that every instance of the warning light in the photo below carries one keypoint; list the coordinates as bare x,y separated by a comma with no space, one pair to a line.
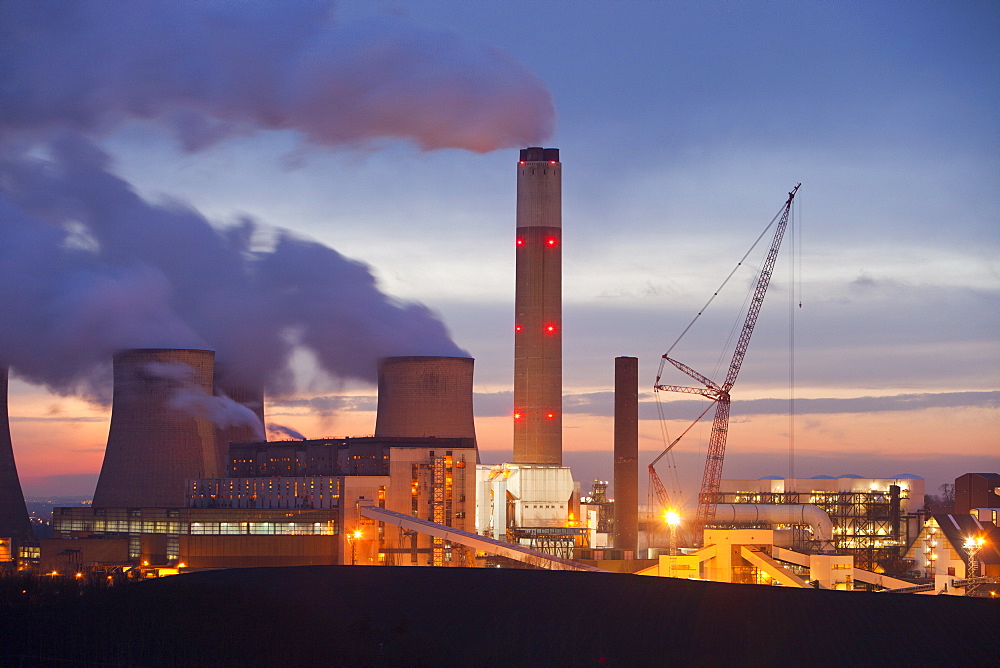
550,328
552,162
551,241
520,242
517,416
521,163
518,328
550,415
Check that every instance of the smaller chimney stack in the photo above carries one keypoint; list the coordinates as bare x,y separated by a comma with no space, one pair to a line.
626,453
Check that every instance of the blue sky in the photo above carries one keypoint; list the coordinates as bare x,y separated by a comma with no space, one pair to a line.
682,126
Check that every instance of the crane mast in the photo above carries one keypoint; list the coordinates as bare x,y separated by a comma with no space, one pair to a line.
720,393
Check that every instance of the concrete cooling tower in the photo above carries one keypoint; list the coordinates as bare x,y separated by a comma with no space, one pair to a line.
159,434
13,513
425,396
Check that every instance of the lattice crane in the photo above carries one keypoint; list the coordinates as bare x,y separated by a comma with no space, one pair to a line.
720,393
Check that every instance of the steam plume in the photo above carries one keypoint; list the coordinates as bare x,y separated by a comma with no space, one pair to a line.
213,69
88,267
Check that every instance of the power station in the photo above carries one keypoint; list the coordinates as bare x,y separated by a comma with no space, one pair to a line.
182,488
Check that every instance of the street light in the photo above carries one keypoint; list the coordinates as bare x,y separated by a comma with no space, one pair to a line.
672,518
352,539
972,547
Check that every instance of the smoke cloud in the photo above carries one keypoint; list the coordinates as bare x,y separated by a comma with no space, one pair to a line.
88,267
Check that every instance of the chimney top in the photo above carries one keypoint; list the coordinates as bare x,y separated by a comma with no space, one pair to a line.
539,154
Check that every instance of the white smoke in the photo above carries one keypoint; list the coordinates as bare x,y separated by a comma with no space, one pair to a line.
188,396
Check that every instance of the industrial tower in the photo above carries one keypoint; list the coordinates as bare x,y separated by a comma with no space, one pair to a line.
538,309
14,521
157,440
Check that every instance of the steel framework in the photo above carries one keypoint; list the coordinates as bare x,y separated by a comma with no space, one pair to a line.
720,393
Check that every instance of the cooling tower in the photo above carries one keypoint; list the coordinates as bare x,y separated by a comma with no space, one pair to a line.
538,309
13,513
160,434
626,453
425,396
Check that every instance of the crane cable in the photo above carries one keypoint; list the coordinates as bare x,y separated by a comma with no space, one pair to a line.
719,289
795,269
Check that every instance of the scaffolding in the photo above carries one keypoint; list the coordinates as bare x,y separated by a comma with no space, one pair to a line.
557,541
867,525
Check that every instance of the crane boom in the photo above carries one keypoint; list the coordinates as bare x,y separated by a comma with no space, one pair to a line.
720,394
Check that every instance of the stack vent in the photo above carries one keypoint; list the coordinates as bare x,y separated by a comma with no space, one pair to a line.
157,439
14,521
425,396
626,533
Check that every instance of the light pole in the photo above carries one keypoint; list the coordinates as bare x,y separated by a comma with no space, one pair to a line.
972,547
352,539
672,518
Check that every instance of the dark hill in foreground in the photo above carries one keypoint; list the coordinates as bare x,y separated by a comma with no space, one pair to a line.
341,615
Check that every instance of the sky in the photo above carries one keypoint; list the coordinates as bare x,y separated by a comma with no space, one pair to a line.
364,153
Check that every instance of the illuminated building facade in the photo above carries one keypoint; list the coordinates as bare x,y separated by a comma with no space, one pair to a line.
874,519
292,503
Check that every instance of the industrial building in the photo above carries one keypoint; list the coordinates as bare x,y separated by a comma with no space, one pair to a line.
291,502
873,519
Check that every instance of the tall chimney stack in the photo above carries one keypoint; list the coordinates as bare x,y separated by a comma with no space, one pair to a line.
14,521
538,309
156,442
626,453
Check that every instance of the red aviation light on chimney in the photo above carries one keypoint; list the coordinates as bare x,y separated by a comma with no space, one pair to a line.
518,328
521,163
520,241
517,415
552,162
551,241
550,329
550,415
